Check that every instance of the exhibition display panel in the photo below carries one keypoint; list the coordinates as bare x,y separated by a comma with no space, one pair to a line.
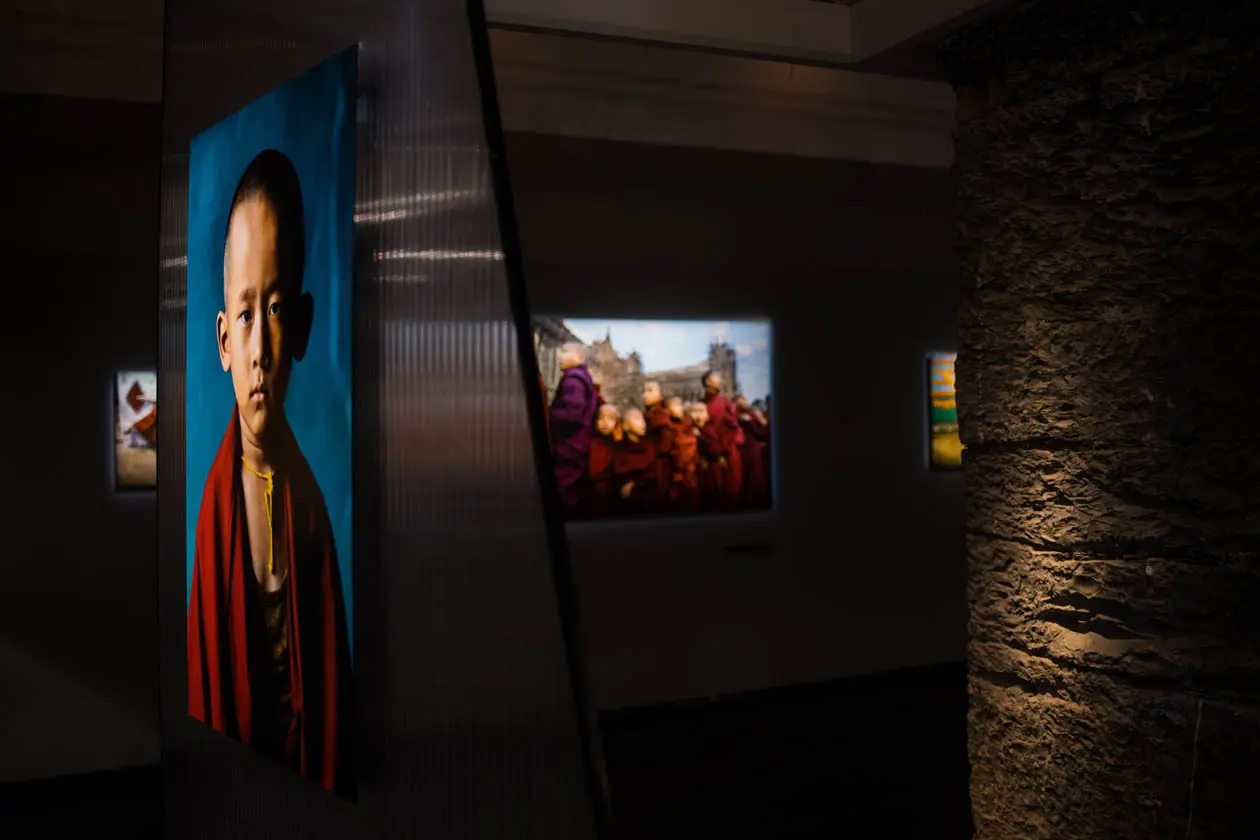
366,628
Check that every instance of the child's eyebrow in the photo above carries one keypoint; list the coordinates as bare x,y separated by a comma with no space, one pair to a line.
275,285
247,295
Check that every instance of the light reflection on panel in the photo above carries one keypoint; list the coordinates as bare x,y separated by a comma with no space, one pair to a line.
469,727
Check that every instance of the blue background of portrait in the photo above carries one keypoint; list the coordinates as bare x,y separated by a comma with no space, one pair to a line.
312,120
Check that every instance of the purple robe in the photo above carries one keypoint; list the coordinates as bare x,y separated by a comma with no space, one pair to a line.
572,424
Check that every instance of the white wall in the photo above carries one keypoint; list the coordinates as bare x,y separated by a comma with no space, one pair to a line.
861,569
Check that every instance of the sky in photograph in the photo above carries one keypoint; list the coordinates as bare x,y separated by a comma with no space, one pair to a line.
663,345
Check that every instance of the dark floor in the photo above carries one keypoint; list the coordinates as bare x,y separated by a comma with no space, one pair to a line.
885,753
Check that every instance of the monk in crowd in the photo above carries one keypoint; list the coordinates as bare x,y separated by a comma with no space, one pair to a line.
670,457
756,431
571,421
681,447
608,434
638,473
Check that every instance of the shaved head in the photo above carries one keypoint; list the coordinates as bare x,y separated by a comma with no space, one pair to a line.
572,354
272,180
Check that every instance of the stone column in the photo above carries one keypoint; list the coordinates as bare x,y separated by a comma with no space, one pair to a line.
1108,213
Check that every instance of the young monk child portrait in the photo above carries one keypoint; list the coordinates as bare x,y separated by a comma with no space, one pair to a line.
603,449
268,645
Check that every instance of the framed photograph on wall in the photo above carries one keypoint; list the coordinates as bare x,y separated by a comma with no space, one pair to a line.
268,447
944,445
135,430
657,418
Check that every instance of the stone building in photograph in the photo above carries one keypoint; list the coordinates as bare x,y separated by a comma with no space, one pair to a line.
550,334
620,378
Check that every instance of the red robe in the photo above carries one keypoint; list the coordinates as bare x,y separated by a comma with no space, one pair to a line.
754,494
602,448
711,474
321,736
638,462
684,461
723,428
656,417
766,457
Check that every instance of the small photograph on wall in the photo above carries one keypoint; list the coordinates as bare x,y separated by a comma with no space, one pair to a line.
135,430
945,445
268,445
657,418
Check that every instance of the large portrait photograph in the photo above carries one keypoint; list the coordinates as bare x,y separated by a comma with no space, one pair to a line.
269,507
657,418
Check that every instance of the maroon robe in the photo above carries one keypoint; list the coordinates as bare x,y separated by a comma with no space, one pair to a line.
638,462
656,417
766,457
602,448
573,411
320,738
684,463
723,426
659,428
754,493
710,473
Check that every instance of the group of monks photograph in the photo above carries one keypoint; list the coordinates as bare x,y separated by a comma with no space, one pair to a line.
657,418
135,430
269,586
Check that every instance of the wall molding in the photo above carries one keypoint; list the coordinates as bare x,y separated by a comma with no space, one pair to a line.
575,87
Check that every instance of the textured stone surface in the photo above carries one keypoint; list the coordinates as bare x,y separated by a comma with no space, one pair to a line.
1109,393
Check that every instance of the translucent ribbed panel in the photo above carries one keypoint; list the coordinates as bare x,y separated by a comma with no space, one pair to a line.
469,724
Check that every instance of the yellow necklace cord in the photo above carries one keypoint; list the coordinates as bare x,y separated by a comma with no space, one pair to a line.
268,495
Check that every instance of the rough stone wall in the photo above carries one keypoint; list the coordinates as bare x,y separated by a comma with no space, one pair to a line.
1109,397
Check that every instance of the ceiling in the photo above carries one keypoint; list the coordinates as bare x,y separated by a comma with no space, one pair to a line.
113,48
839,32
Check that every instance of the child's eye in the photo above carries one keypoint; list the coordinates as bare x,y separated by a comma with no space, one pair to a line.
246,317
274,309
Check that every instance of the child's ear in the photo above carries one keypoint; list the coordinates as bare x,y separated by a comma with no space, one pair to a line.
302,318
221,339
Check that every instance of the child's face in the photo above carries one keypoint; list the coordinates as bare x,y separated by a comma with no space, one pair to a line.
252,339
651,393
607,420
675,408
635,424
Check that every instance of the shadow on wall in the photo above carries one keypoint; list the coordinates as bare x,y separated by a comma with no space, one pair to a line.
861,567
77,608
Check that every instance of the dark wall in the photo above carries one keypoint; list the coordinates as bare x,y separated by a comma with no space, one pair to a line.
78,650
861,568
1109,227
